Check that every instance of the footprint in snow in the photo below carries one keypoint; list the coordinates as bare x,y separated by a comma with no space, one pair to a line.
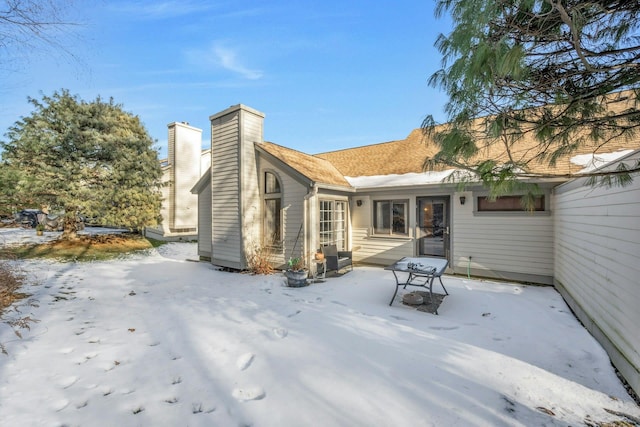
60,404
280,332
244,361
68,382
249,393
443,328
295,314
397,317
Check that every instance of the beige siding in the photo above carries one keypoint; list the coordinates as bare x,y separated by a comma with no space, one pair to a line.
250,133
597,265
371,249
225,204
515,246
184,158
204,223
234,184
293,195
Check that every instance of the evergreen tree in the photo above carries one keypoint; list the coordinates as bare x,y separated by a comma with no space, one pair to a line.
89,158
562,73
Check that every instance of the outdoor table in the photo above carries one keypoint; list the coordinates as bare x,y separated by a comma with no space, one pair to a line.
421,272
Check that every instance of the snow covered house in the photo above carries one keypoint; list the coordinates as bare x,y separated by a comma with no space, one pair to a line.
185,164
375,200
378,202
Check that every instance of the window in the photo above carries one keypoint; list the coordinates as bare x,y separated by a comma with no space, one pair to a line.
271,183
272,218
390,217
333,226
508,204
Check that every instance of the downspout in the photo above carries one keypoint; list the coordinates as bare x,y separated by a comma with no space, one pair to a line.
313,191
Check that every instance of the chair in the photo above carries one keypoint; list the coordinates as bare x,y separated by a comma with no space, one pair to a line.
336,260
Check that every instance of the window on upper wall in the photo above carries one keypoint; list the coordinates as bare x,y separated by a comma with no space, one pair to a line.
390,217
333,223
508,204
272,217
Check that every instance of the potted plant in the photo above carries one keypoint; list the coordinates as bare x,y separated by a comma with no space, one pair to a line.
39,229
296,273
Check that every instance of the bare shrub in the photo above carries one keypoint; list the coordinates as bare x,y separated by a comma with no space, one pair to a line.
260,261
11,280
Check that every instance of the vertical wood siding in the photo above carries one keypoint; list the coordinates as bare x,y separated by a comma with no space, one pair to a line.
597,265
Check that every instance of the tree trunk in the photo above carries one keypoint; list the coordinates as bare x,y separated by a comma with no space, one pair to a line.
70,230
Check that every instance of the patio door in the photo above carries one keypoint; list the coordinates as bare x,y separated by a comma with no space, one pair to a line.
433,226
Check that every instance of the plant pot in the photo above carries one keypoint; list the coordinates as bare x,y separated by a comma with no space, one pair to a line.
319,256
296,278
39,233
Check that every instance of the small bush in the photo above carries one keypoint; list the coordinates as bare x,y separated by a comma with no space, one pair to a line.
261,260
11,280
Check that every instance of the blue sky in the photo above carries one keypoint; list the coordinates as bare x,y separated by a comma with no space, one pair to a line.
327,74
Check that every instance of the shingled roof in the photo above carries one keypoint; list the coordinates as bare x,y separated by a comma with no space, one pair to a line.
316,169
408,155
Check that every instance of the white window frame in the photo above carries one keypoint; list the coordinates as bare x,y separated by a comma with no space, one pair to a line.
332,223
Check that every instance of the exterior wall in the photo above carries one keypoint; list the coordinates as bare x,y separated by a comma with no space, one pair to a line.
380,250
293,216
502,245
597,266
184,157
234,184
204,222
180,171
516,246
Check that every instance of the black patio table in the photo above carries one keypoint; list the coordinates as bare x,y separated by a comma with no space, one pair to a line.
421,272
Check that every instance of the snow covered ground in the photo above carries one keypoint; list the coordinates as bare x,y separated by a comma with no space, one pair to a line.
153,339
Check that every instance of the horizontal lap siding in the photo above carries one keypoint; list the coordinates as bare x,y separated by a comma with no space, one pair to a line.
375,250
225,206
519,244
204,223
597,246
293,194
249,190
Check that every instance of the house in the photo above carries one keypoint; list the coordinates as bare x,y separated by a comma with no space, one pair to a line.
375,200
378,202
185,164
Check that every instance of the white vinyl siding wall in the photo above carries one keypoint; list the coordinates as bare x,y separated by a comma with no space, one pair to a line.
225,206
510,246
293,193
250,132
381,250
234,183
204,223
184,158
597,265
513,246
